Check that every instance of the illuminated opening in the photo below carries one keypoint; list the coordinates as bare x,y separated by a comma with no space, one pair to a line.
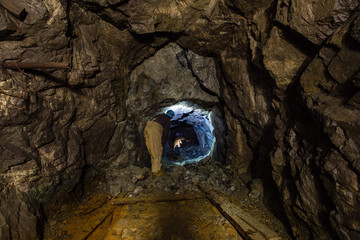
190,137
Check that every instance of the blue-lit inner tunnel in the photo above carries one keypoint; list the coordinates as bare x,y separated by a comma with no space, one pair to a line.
190,137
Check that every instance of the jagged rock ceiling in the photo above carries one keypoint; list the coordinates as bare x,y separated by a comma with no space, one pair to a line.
288,76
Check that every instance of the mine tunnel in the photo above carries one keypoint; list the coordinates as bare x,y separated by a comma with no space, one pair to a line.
264,139
191,136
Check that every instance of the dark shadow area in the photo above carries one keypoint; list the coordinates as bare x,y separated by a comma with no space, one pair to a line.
149,38
175,222
308,131
263,169
103,12
5,35
182,141
263,146
298,40
183,130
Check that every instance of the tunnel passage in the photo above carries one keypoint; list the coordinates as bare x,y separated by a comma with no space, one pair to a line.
191,137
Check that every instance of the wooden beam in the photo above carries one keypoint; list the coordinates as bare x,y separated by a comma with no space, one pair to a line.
14,8
249,227
153,199
36,65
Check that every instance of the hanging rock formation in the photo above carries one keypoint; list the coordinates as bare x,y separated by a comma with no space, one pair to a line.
283,75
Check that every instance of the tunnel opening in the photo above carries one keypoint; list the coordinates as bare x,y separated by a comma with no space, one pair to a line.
191,137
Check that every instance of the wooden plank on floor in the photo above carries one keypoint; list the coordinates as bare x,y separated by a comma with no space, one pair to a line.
248,226
153,199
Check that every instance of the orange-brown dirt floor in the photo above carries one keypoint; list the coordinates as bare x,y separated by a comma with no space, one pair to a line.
187,217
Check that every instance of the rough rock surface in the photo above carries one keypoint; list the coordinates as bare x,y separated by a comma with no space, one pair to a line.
339,167
315,20
208,174
158,80
282,59
20,217
283,75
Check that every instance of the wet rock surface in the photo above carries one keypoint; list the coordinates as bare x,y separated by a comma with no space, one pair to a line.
282,77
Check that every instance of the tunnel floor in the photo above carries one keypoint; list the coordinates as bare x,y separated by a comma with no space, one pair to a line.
187,219
177,205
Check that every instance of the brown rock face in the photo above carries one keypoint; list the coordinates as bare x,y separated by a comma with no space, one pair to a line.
284,76
20,217
315,20
282,60
339,169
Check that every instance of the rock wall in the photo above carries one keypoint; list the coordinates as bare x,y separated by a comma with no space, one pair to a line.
315,164
283,74
155,84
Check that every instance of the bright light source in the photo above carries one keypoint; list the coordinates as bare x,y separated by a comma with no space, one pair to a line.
199,119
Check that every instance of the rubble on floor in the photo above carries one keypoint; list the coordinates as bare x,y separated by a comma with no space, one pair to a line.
172,206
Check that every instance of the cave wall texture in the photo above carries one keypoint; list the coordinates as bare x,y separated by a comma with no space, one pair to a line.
284,75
